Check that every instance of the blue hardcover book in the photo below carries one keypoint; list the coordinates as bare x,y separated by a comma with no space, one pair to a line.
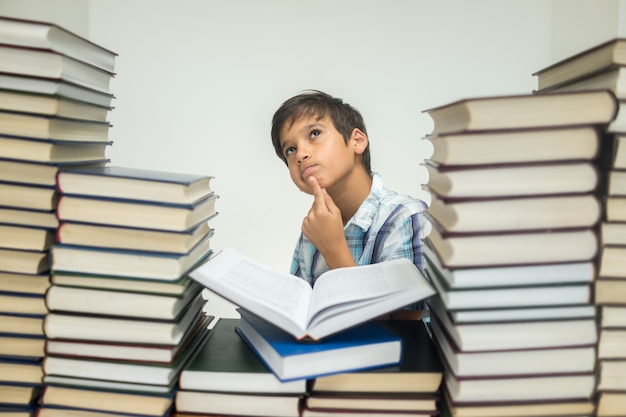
365,346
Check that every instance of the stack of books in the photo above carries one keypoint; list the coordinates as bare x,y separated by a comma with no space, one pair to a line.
603,67
54,104
411,387
124,316
227,378
515,210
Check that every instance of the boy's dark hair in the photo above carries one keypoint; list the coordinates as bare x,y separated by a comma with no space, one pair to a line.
314,103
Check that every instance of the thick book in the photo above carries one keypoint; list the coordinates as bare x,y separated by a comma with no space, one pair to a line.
123,330
70,399
615,182
516,213
24,283
206,403
35,172
119,303
501,297
26,238
128,263
40,63
612,375
612,78
24,261
613,233
22,371
22,346
17,394
613,262
26,217
508,249
55,87
339,299
360,347
615,208
529,362
116,237
593,60
128,284
135,184
135,213
611,404
547,179
139,352
510,314
26,324
510,276
524,111
55,128
28,197
19,303
611,343
42,104
532,334
610,290
612,315
47,35
575,407
420,370
53,151
367,403
516,146
525,388
225,363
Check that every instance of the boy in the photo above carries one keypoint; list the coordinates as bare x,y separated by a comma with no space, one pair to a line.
353,220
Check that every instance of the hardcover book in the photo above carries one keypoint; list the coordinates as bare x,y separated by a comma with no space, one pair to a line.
365,346
225,363
135,184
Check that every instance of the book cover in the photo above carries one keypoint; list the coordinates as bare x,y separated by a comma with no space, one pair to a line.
128,263
136,184
55,87
48,35
225,363
135,213
524,111
420,369
365,346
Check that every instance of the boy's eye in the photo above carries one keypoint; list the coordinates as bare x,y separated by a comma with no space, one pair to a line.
289,150
315,132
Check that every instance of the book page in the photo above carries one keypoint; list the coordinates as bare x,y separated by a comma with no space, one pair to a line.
254,286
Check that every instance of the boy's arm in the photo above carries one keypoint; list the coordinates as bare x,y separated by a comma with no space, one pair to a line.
323,226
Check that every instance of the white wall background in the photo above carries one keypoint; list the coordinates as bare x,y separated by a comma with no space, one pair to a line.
198,81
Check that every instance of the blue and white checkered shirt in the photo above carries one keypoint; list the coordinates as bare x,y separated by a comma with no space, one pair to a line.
386,226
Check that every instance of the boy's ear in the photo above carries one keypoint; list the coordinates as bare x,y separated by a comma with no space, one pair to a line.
359,141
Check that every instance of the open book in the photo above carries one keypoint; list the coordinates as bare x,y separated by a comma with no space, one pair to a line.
341,298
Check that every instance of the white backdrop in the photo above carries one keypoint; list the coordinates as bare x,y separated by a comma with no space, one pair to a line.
198,81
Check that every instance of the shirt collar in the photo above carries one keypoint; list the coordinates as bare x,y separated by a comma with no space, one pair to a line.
364,216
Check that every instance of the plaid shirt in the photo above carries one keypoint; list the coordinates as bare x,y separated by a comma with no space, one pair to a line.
386,226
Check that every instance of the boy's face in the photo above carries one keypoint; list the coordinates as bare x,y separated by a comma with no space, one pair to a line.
314,147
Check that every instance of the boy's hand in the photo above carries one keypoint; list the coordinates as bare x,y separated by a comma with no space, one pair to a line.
323,226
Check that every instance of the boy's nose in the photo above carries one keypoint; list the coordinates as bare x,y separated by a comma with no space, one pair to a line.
302,155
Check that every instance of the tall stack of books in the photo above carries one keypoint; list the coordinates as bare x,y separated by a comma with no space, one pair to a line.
124,316
54,104
411,387
603,67
515,210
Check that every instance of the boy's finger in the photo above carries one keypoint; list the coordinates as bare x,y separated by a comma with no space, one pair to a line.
318,194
